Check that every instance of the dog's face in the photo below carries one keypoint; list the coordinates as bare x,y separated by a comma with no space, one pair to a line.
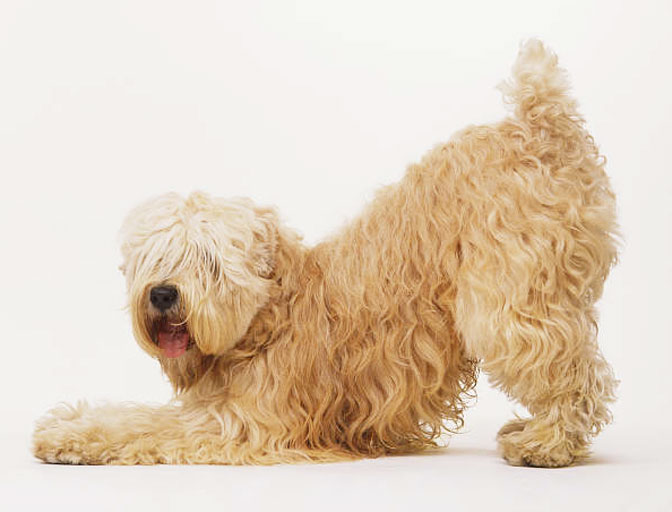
196,270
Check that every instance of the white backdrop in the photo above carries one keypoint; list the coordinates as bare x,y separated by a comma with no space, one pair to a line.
310,106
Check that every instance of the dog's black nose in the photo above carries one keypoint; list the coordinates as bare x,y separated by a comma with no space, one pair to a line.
162,297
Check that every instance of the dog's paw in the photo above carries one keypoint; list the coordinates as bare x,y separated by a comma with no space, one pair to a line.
521,443
66,435
517,425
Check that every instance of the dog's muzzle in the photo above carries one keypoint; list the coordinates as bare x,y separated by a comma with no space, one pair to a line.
170,332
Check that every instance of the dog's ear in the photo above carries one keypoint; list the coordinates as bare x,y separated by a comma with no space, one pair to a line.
249,231
265,230
251,234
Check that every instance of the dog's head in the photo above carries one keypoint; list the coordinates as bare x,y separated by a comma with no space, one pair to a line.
197,271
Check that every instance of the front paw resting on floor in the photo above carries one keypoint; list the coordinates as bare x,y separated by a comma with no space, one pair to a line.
70,435
81,434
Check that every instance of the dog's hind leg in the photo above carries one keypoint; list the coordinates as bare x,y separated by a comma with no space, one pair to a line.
525,308
536,244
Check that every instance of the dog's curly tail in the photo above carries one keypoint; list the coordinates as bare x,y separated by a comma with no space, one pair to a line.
538,89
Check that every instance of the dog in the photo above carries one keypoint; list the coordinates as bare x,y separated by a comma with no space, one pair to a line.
489,255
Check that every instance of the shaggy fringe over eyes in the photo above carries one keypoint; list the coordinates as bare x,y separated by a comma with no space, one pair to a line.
491,252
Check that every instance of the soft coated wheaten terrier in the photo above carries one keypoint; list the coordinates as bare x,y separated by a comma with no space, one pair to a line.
490,252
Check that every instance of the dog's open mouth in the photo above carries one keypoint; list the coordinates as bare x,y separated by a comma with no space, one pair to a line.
172,338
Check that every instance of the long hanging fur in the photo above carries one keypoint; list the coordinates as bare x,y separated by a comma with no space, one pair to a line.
491,251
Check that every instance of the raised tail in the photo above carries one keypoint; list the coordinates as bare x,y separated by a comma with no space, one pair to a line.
538,89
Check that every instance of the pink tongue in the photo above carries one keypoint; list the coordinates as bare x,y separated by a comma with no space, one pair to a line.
173,340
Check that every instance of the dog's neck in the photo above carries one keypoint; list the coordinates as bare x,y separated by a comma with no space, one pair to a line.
291,268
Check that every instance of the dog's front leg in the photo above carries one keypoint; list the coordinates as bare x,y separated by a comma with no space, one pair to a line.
137,434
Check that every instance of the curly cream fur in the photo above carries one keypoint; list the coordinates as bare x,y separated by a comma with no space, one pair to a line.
490,252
